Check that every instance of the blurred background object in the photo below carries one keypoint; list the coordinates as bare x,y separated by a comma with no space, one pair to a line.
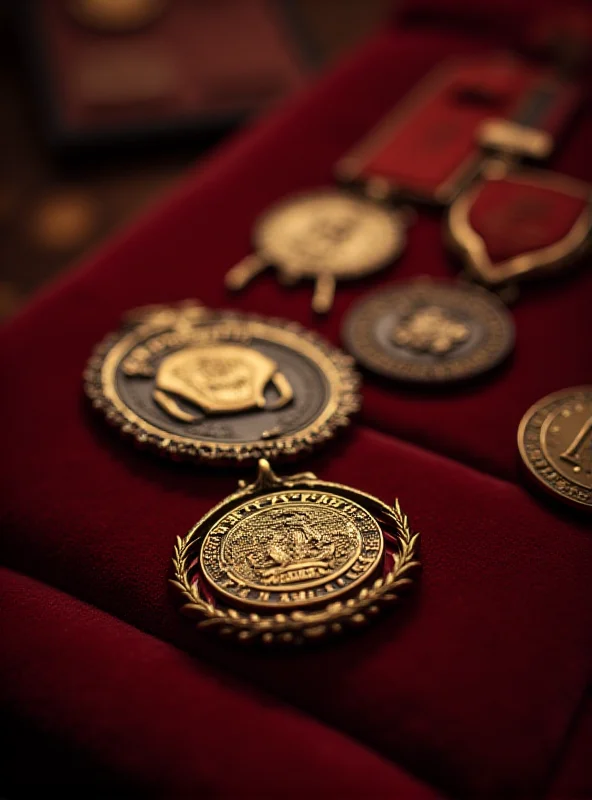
105,102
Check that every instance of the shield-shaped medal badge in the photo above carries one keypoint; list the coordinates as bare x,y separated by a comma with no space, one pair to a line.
518,224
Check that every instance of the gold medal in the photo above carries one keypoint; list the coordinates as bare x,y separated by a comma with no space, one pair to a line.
327,235
293,559
555,442
198,384
428,331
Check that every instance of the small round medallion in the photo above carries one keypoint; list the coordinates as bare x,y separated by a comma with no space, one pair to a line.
293,558
329,231
327,235
286,552
221,386
555,442
429,331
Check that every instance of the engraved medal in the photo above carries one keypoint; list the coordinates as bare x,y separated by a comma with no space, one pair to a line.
428,331
293,559
555,443
205,385
326,235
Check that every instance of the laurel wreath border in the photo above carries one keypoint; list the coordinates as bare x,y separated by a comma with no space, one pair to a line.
300,625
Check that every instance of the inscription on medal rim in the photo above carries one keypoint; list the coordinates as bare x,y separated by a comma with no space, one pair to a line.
555,443
293,559
291,548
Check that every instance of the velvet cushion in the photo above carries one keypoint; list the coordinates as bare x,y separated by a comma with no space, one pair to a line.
145,714
472,686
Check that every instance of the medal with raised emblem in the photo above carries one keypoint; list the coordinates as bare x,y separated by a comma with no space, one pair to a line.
555,443
220,386
327,235
293,558
428,331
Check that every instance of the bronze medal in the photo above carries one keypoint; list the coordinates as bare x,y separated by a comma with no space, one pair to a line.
555,443
293,559
326,235
428,331
198,384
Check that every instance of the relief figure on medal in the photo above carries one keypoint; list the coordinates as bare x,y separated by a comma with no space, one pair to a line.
430,329
232,390
290,547
324,234
219,379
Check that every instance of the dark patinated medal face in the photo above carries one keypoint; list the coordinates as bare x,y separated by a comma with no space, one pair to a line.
202,384
429,331
329,231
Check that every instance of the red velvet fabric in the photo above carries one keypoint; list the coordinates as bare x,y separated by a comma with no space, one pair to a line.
572,779
472,685
146,713
434,142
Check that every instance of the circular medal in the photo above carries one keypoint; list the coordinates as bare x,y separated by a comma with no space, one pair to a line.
555,442
116,15
326,235
221,386
429,331
295,558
